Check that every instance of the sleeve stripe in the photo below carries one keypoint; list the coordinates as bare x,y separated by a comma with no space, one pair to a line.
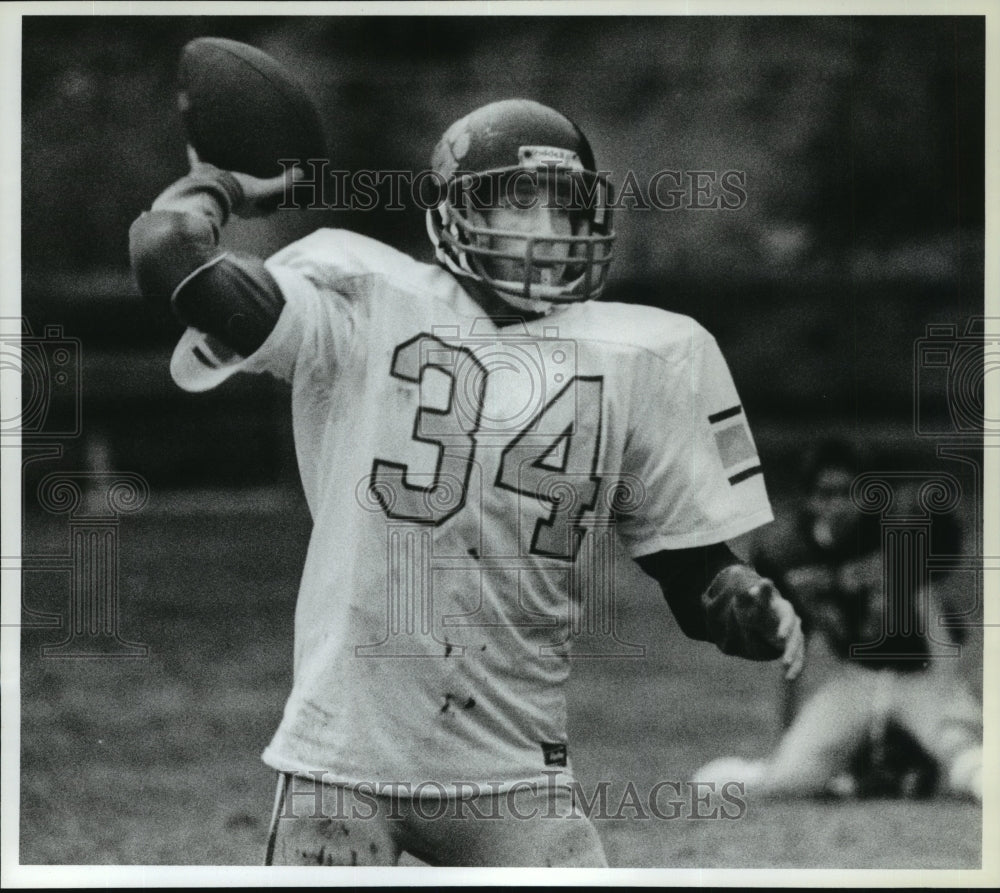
724,414
746,473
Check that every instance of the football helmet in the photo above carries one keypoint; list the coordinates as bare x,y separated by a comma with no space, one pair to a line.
494,150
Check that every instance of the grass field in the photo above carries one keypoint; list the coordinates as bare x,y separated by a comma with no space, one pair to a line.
156,761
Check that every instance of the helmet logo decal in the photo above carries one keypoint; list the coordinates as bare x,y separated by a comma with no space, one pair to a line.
533,156
454,146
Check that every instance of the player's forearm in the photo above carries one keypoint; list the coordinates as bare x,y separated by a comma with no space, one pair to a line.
177,261
683,575
710,593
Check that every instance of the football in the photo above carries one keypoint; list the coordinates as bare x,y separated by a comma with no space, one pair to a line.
242,110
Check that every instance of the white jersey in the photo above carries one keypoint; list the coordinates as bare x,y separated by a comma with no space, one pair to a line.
465,477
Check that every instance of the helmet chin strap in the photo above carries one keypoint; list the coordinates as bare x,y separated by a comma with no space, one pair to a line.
497,306
528,305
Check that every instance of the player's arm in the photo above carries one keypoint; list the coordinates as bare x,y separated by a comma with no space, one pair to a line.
176,259
717,598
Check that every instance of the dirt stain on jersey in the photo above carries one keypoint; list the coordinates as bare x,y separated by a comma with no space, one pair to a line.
450,699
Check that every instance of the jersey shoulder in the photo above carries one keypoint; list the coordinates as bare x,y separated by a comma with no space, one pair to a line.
672,337
335,256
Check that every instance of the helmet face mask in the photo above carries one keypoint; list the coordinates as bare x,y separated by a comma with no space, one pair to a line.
522,155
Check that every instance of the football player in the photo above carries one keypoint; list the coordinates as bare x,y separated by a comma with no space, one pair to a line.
892,721
468,432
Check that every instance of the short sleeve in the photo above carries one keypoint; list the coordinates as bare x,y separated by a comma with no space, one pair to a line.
691,454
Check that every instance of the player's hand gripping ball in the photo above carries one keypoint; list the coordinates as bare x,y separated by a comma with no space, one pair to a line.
242,111
252,196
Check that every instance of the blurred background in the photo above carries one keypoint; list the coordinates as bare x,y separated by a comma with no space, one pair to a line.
861,139
862,144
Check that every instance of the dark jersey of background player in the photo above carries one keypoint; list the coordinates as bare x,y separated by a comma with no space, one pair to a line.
889,717
828,561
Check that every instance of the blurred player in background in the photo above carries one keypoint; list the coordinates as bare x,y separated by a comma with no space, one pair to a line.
452,498
891,721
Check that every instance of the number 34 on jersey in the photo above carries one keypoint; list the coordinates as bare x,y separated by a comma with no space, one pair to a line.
505,415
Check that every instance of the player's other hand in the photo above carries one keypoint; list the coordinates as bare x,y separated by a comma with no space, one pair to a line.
788,629
258,197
